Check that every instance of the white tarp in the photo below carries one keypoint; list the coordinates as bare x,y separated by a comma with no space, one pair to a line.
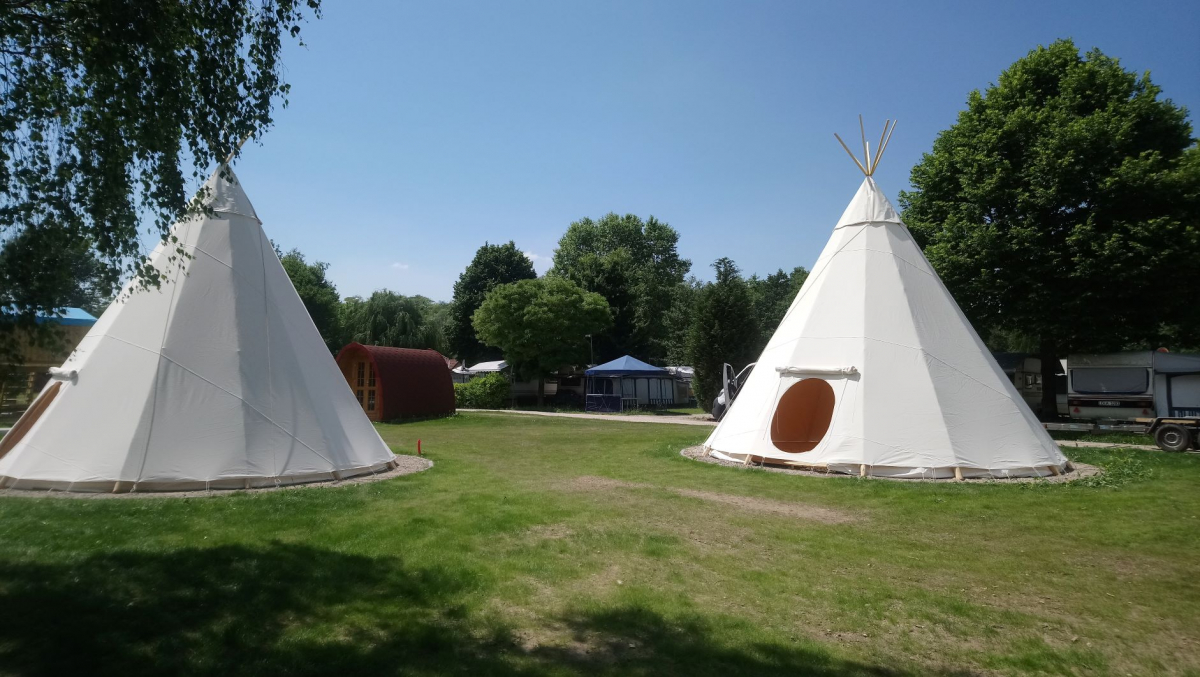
216,379
915,391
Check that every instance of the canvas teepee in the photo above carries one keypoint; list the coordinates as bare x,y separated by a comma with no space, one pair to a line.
875,371
218,379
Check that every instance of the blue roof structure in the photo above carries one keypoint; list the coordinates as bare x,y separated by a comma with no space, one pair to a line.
71,317
627,366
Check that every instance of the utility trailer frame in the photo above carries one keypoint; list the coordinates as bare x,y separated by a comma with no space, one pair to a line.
1173,433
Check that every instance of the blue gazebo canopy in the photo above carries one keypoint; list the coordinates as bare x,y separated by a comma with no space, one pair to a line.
627,366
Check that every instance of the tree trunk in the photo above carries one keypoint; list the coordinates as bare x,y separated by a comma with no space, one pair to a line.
1048,349
541,390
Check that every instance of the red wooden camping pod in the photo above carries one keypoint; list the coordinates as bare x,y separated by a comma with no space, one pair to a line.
393,383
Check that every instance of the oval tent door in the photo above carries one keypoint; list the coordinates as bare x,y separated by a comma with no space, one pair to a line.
802,416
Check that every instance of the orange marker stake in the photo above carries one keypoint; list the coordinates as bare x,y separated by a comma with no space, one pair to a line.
419,448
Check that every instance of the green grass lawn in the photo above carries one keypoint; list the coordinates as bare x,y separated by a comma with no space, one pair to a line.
563,546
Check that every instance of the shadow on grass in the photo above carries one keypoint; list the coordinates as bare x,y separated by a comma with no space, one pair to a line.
291,609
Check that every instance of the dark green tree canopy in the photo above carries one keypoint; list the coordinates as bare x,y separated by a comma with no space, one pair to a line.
540,325
771,297
493,265
60,271
109,109
1063,204
319,295
724,329
678,319
391,319
635,266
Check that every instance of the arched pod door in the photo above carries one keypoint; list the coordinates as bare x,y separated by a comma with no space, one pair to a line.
802,416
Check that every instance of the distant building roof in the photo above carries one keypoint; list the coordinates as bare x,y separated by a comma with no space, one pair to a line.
1176,363
495,365
627,366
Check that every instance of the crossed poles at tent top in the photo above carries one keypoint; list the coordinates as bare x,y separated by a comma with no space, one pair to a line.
871,163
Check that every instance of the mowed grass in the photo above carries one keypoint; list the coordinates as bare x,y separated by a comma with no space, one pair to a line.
541,546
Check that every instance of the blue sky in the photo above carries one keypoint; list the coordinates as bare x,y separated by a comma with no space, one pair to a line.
418,131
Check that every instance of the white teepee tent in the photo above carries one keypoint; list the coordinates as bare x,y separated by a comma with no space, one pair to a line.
218,379
875,371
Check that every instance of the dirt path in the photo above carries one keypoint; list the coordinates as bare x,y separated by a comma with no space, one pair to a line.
748,503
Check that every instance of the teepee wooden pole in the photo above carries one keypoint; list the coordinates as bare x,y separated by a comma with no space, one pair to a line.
847,149
879,148
886,141
866,153
235,150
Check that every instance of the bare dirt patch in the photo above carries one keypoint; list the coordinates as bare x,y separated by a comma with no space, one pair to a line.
549,532
593,483
749,503
1078,471
405,465
797,510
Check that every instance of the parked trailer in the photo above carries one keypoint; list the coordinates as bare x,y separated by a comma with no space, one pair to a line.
1111,386
1170,434
1174,434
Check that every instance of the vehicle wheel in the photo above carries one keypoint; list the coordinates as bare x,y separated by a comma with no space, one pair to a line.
1172,437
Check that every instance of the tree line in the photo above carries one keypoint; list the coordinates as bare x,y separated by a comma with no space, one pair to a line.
1061,209
617,286
384,318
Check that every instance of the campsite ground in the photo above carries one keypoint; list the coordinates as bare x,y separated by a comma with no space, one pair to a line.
556,546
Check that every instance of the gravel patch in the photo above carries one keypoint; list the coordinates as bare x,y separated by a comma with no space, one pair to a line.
1078,471
405,465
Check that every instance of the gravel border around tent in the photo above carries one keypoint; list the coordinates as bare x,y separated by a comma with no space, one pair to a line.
1078,471
405,465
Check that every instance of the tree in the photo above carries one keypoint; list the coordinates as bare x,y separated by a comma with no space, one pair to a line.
540,325
493,265
771,296
62,273
724,329
109,110
633,264
390,319
319,295
1062,205
678,319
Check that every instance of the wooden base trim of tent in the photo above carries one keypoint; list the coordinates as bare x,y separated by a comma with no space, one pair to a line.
961,473
187,487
